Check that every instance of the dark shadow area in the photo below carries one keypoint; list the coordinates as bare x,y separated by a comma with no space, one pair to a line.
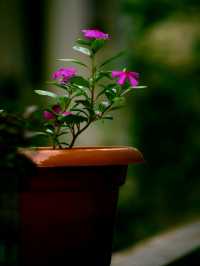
191,259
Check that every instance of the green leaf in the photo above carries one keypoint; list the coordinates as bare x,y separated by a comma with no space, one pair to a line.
73,61
127,91
46,93
112,58
82,50
139,87
49,131
81,91
64,101
111,94
118,103
59,85
80,81
73,119
107,117
79,111
132,89
97,45
105,88
36,133
103,106
102,74
87,105
84,42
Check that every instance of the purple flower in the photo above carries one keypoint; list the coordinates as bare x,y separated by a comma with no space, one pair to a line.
124,75
63,75
56,110
95,34
48,115
66,113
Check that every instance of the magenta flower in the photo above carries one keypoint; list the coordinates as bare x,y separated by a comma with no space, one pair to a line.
66,113
56,110
124,75
48,115
63,75
95,34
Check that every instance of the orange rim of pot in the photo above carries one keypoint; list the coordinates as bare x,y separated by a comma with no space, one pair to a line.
83,156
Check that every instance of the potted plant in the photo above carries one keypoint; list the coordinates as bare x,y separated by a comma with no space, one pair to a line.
67,209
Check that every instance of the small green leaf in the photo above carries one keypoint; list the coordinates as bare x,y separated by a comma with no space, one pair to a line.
82,50
49,131
97,45
103,106
64,101
102,74
59,85
111,94
112,58
73,61
73,119
118,102
132,89
79,111
105,88
46,93
127,91
86,104
81,91
36,133
139,87
80,81
84,42
107,117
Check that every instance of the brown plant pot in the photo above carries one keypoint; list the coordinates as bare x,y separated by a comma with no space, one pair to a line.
67,209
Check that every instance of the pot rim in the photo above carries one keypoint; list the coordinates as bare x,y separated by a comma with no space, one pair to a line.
83,156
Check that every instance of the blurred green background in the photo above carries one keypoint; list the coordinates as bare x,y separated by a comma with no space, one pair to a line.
162,38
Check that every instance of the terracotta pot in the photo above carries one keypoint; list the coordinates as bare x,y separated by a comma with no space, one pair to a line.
67,209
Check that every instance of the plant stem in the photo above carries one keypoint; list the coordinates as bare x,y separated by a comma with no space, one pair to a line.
78,133
55,138
93,71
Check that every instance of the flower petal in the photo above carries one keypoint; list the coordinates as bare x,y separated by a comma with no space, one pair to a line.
95,34
122,79
134,75
63,75
133,81
66,113
117,73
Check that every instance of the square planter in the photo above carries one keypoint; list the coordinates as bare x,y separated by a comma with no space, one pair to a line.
67,209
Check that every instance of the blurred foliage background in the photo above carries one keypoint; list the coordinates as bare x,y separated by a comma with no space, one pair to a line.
162,38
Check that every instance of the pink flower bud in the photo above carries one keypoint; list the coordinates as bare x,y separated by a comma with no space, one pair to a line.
48,115
95,34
